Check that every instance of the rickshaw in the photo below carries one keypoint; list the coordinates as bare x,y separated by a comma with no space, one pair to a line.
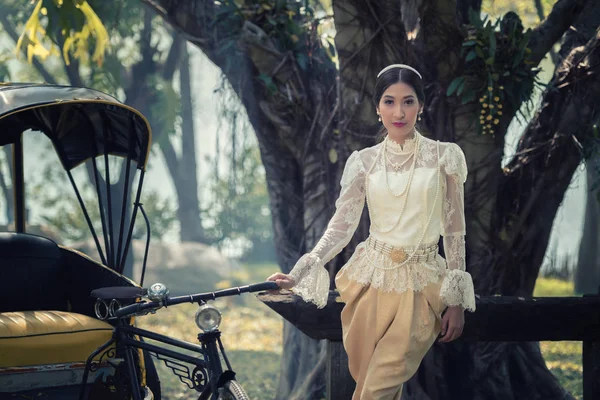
67,326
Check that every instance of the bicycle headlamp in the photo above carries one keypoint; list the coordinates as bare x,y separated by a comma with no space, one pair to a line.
208,318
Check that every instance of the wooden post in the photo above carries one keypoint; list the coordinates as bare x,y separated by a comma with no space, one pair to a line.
591,366
340,384
591,370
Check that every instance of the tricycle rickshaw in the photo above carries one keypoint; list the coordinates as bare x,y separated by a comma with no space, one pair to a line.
67,321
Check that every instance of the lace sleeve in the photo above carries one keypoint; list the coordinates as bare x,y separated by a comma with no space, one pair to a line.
309,273
457,287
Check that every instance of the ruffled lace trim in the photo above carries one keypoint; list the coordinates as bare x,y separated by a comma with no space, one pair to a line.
406,147
363,269
312,280
457,290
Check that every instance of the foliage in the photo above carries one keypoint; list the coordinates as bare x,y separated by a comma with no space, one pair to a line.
526,9
497,69
115,75
77,25
296,29
61,210
563,359
553,287
238,210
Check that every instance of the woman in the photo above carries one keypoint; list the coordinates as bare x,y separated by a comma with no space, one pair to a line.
395,286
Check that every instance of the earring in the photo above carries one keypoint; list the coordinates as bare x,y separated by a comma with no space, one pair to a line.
379,119
419,116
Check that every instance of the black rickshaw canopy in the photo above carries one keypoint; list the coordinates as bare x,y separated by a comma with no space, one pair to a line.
82,123
84,126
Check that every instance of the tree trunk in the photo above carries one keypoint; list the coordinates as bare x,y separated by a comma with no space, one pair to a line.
183,171
587,273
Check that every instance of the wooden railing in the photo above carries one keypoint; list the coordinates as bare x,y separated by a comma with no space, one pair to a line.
497,319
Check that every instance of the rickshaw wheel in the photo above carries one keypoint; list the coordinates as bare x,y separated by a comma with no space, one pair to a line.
232,390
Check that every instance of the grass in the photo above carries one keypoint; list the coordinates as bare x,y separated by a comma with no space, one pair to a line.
562,358
252,336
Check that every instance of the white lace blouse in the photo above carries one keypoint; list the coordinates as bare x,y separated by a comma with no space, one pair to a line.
401,216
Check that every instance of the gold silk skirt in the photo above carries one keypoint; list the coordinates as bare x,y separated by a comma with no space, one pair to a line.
386,335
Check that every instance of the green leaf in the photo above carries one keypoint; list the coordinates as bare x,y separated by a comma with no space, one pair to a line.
469,43
471,56
460,88
268,81
454,85
490,61
479,52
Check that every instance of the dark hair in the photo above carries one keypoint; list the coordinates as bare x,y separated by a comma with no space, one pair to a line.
391,77
397,75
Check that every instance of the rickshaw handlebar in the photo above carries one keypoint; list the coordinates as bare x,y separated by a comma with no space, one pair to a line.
139,308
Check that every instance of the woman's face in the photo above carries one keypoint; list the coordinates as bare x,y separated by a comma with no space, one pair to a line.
399,109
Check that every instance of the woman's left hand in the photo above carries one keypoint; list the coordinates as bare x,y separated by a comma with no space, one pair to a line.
453,322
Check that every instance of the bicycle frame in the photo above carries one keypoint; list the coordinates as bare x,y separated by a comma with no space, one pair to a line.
206,377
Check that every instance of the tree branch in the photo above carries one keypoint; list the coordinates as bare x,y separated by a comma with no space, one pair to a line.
545,35
535,181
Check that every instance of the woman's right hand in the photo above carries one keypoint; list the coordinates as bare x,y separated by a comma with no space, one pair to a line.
284,281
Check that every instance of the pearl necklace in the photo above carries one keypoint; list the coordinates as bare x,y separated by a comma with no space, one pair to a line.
437,191
408,183
412,167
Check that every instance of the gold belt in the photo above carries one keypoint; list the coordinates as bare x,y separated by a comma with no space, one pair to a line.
401,254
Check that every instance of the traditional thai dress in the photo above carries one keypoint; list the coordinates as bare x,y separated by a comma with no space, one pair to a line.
396,285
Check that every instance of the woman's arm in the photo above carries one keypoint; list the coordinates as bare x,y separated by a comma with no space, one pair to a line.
309,276
457,287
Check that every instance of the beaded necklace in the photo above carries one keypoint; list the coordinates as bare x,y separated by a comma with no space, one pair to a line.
411,173
413,155
371,212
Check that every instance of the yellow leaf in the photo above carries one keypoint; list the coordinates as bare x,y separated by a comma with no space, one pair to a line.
97,29
333,156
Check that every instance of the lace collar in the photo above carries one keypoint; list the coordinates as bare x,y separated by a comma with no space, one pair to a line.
397,148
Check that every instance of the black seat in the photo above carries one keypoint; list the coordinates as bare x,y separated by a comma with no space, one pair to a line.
31,273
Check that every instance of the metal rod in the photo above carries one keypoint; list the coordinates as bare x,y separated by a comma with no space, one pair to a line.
223,353
148,234
159,338
87,217
165,352
101,209
131,146
19,184
111,240
123,209
133,376
132,222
